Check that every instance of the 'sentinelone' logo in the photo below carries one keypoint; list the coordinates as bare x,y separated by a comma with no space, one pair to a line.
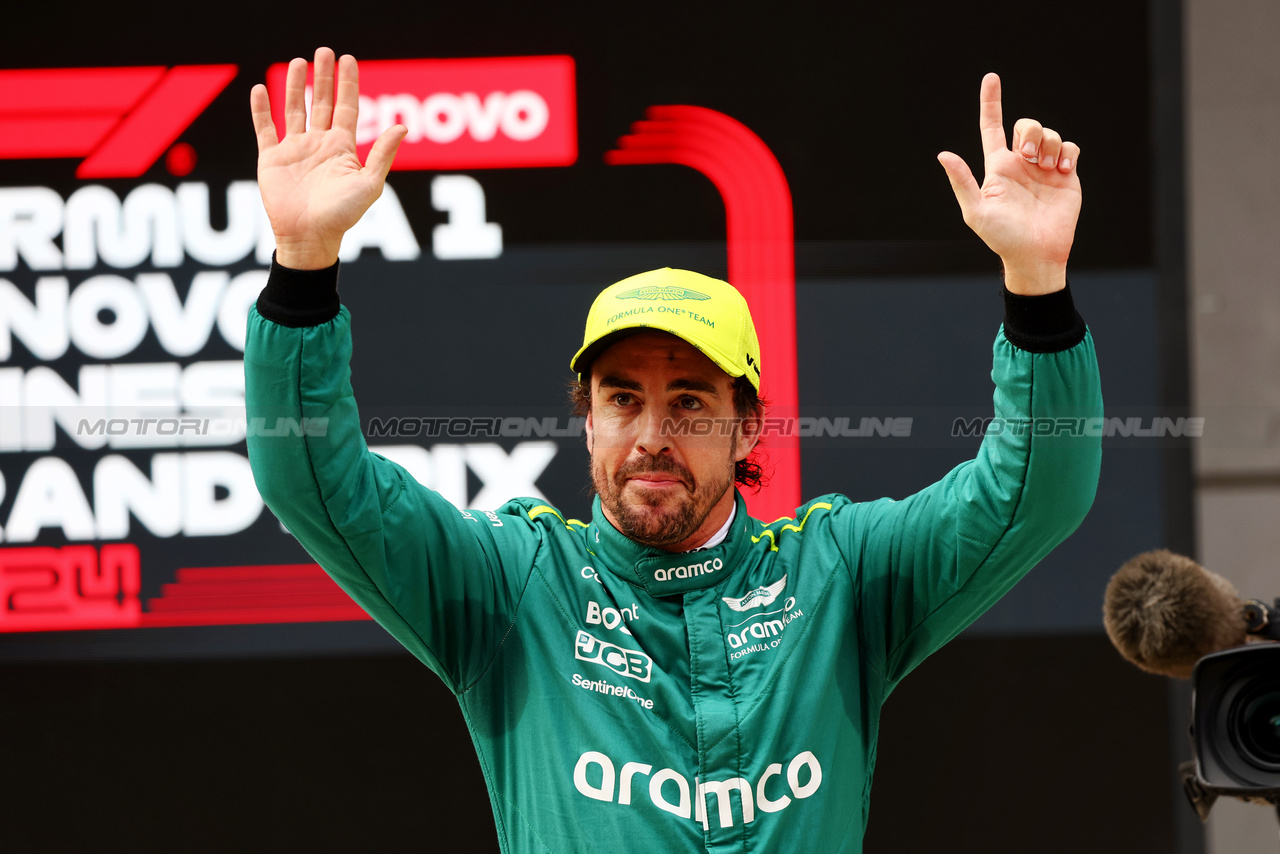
625,662
757,598
663,292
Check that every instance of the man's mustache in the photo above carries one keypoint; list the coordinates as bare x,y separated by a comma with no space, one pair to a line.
654,465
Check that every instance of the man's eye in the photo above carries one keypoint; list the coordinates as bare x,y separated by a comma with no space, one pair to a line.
691,403
623,399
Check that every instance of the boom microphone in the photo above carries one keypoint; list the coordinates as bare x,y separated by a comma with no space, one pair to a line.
1164,612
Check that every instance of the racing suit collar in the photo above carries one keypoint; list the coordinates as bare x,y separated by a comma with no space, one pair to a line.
662,573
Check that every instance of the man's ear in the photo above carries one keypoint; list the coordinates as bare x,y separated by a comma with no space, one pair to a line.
749,436
590,443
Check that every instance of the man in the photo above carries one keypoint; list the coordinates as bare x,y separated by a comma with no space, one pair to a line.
623,692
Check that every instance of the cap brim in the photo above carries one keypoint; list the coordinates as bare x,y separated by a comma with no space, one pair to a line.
582,360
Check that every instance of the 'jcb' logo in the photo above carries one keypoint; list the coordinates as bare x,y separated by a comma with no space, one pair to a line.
625,662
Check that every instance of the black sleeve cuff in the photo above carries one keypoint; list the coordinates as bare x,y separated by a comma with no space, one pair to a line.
1043,324
299,297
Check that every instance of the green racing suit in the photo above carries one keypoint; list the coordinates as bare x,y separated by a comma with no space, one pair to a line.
624,698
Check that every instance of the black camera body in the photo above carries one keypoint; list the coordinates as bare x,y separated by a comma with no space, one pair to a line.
1235,719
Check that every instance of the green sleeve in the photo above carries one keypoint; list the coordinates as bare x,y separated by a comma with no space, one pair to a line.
445,583
926,567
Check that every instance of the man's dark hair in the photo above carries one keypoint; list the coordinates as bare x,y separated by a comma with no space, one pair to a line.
747,473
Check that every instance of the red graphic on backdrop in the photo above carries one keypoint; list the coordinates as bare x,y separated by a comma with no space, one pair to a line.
757,203
120,120
500,112
228,595
43,588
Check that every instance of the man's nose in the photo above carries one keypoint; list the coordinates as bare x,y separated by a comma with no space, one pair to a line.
652,435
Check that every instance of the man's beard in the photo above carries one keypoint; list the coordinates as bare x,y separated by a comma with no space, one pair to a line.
652,520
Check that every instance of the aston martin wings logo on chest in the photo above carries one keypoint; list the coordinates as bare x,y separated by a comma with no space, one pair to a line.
757,598
662,292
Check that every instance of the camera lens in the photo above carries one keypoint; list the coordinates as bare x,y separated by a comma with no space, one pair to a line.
1260,728
1254,724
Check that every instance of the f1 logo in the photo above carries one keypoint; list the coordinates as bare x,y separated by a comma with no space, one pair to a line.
119,119
625,662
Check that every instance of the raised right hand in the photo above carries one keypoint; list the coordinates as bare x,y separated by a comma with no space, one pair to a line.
312,183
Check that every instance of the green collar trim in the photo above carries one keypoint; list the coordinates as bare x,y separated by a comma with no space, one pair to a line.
662,573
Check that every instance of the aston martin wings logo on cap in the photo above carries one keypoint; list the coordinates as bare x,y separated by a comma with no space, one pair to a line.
662,292
757,598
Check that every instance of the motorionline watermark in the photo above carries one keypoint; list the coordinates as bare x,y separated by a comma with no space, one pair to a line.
475,427
516,427
1154,427
191,426
524,427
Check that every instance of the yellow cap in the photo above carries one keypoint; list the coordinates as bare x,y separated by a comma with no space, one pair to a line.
708,313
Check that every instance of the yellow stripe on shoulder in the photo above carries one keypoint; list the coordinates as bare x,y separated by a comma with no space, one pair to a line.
773,540
773,536
818,504
543,508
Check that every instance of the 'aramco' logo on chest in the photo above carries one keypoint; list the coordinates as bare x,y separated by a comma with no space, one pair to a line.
768,793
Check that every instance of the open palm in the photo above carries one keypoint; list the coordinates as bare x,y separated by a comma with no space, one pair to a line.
1027,206
313,185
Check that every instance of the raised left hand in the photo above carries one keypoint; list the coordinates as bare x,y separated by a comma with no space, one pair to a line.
1029,201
